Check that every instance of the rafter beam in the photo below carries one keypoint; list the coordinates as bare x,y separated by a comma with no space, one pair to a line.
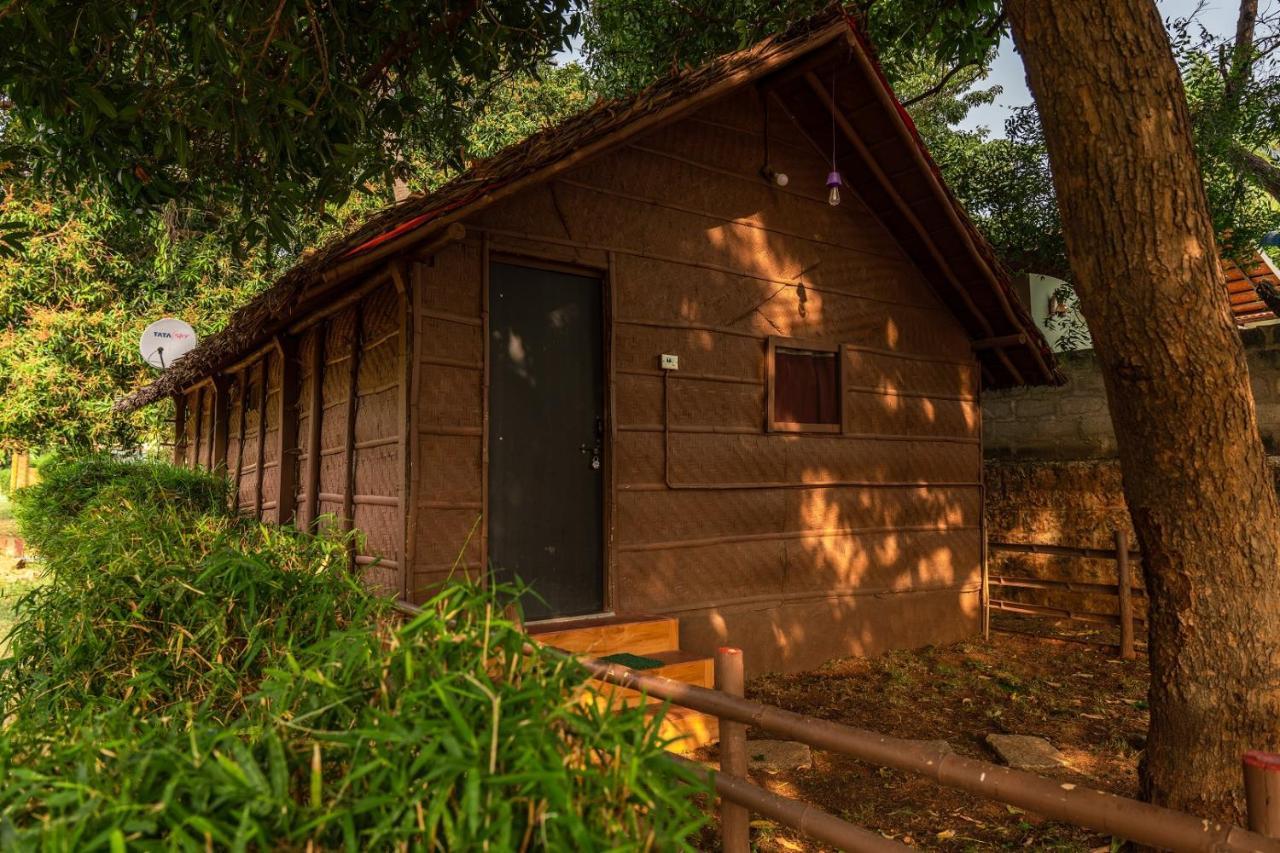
908,214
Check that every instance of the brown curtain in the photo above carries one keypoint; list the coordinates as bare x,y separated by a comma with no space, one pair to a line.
806,387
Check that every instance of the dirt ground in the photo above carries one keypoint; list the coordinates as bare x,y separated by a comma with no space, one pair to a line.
1088,704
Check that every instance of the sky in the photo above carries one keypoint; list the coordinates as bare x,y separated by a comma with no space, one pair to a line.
1217,16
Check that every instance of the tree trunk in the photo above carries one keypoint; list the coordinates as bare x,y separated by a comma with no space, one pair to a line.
1195,475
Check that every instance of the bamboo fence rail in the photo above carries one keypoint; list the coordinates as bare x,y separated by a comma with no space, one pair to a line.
1123,590
1121,817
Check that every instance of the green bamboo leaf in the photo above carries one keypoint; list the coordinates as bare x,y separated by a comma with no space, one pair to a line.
100,101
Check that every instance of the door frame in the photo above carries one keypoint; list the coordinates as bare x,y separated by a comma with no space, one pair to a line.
525,257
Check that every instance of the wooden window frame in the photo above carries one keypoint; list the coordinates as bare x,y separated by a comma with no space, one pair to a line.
777,342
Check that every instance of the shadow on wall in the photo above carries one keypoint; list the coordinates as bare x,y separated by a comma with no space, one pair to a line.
826,544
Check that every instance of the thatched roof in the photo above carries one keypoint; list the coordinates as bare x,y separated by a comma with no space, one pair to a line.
536,158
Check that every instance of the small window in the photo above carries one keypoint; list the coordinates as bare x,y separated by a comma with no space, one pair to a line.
804,386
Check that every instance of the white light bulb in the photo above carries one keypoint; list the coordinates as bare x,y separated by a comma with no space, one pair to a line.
781,179
833,195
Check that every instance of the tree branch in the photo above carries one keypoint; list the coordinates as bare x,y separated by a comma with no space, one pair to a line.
271,32
940,85
990,31
1241,66
409,41
1263,171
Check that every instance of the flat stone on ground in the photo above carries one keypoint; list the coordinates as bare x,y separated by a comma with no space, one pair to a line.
941,744
778,756
1026,752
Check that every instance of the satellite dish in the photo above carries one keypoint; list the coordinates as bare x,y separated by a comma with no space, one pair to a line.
165,341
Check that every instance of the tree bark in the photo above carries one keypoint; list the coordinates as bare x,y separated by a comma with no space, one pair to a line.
1195,475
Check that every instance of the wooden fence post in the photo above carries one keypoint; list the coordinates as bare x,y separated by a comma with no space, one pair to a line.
1125,592
21,469
1262,791
734,819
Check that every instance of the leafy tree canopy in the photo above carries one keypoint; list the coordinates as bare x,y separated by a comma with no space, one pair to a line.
92,274
262,111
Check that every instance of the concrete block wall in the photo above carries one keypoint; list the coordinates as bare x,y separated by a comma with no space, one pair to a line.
1072,422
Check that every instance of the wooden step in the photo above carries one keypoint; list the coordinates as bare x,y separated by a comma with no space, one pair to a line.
688,729
677,666
609,635
655,637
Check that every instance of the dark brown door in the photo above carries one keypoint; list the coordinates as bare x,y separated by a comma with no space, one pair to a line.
546,437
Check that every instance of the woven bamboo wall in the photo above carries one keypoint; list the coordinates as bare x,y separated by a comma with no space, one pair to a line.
449,338
203,446
190,438
339,337
235,444
245,483
378,476
360,449
797,547
270,482
245,429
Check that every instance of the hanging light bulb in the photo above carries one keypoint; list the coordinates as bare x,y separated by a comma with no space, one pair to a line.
834,180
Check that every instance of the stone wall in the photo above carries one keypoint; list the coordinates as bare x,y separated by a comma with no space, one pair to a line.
1071,422
1052,477
1078,504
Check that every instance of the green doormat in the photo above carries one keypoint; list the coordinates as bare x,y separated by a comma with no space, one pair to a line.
632,661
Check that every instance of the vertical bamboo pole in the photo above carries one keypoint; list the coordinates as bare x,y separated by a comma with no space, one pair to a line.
198,426
315,421
1262,791
287,437
984,595
415,438
221,423
179,437
264,377
349,451
21,468
486,379
242,381
1125,591
734,819
403,277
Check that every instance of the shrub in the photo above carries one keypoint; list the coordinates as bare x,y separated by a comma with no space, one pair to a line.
193,680
156,594
72,487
